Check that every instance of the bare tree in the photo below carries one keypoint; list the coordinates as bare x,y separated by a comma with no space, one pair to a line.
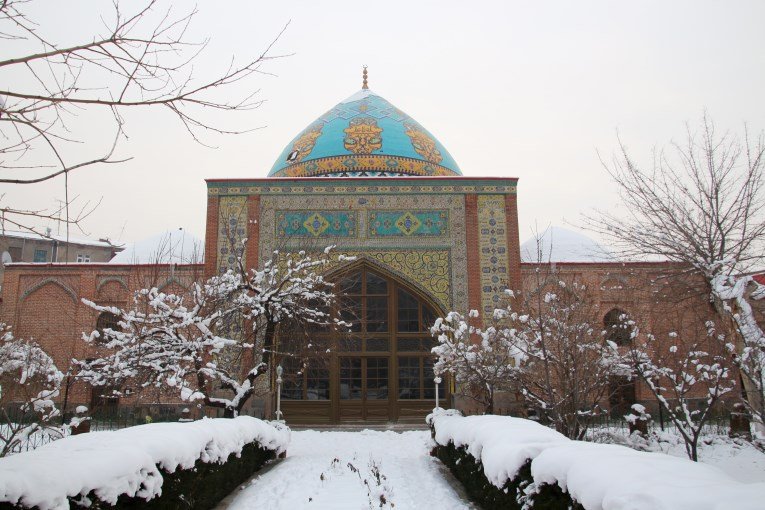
212,345
142,57
700,203
567,365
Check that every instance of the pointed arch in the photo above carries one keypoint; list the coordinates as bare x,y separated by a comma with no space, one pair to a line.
388,272
46,281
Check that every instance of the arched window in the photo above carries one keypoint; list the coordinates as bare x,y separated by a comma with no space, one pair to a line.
618,328
107,320
380,365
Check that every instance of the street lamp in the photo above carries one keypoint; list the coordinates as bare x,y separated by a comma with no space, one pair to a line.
437,380
279,371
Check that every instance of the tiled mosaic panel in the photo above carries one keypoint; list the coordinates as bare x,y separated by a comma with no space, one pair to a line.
452,242
312,224
232,230
492,241
430,269
398,223
318,186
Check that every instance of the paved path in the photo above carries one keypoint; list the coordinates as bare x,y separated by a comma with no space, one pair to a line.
354,470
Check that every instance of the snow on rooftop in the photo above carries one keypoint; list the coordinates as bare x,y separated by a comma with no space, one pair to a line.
170,247
57,237
558,244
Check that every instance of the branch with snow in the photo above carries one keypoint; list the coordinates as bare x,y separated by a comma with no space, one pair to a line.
211,344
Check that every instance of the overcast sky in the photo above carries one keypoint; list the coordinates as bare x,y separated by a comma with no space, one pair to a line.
524,89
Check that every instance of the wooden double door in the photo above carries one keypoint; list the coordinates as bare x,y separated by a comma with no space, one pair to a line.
380,370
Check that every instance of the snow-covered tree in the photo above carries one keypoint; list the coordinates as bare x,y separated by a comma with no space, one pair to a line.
701,204
212,344
567,365
482,361
685,377
29,383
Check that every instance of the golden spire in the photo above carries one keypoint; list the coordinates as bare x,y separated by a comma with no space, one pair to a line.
365,85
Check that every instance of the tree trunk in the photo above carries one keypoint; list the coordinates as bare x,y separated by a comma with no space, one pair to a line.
752,394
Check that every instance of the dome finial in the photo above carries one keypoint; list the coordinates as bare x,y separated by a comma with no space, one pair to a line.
365,85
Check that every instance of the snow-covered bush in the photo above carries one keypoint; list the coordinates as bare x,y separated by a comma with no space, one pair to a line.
168,464
532,464
29,383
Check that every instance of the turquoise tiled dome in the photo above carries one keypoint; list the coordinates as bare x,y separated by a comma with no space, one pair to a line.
364,135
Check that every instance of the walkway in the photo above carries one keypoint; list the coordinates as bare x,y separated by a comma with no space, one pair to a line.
354,470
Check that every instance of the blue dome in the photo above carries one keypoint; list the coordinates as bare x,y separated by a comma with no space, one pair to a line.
364,135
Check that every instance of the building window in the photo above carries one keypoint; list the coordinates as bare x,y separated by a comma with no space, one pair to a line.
41,256
107,320
618,327
83,257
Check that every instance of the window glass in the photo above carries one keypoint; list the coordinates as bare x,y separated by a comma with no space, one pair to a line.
428,318
350,284
377,344
429,384
350,311
377,378
376,285
408,344
292,379
349,344
41,256
408,378
350,378
317,381
408,312
377,314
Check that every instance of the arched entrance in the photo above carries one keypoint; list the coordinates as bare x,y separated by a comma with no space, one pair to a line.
382,370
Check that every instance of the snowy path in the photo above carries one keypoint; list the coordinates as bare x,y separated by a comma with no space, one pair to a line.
327,470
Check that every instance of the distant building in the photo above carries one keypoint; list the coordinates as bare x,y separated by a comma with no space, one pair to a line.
52,248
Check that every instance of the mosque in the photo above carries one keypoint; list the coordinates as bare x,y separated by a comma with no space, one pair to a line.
369,179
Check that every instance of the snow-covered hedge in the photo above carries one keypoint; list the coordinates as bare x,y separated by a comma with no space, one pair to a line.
524,460
148,463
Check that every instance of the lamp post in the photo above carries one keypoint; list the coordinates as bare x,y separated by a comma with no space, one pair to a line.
279,371
437,380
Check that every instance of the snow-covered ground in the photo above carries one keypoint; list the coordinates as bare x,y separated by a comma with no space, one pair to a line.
328,470
739,459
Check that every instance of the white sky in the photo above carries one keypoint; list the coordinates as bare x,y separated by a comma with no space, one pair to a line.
523,89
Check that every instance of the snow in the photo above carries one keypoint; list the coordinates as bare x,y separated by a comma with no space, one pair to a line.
56,237
560,244
488,440
316,474
170,247
126,461
599,476
738,458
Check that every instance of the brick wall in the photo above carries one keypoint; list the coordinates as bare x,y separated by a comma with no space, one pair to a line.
44,303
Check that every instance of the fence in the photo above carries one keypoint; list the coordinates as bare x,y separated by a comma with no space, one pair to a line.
13,421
